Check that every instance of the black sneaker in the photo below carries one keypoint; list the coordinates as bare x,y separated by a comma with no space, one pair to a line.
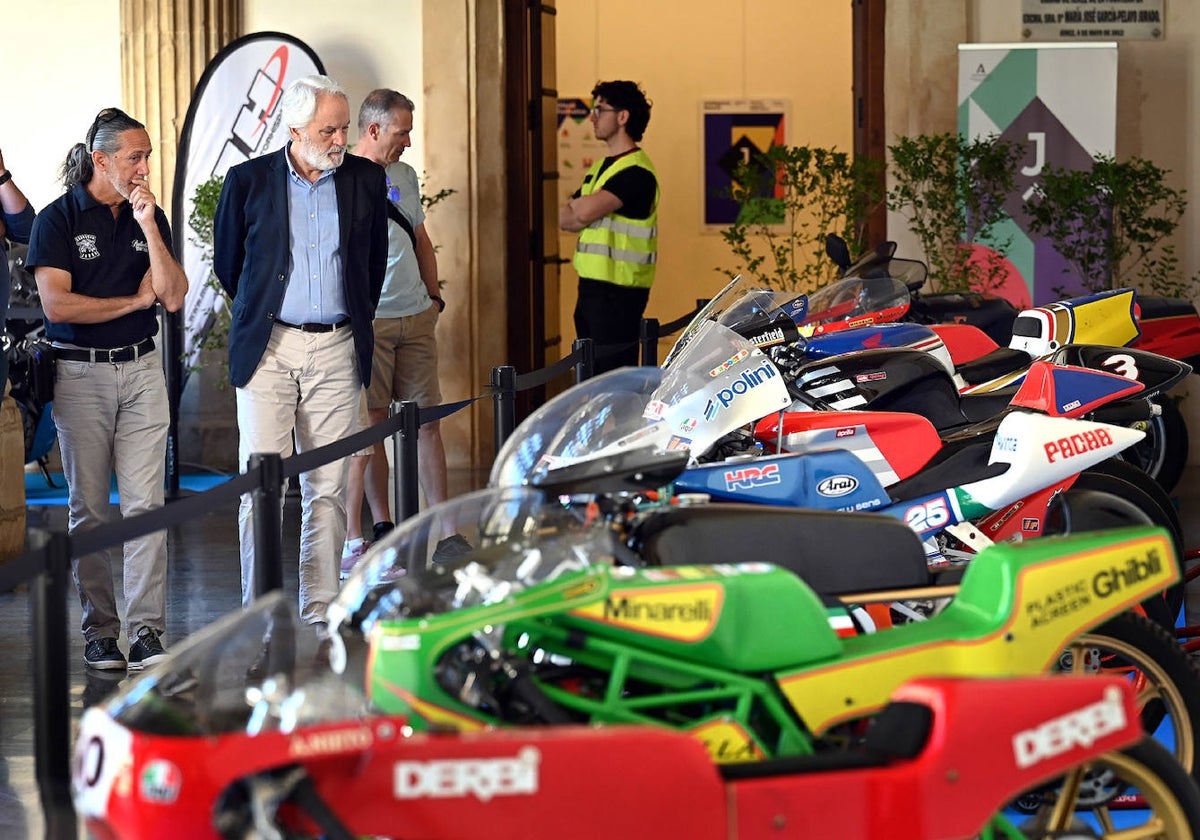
451,548
104,654
380,529
145,650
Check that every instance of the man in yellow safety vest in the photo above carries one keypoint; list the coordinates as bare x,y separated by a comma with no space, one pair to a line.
615,213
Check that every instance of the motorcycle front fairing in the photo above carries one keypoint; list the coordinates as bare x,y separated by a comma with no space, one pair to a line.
718,382
228,702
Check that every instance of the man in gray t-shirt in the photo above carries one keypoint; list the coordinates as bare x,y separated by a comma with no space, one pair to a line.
405,360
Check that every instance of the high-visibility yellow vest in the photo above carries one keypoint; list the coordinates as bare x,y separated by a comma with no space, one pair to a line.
616,248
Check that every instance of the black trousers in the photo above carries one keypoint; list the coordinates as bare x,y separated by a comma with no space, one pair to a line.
610,315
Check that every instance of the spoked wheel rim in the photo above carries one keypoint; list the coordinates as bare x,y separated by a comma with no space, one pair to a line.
1165,815
1157,697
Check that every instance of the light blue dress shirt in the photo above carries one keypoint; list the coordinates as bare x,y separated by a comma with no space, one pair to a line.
314,292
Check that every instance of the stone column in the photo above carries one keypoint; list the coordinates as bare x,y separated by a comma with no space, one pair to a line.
165,46
463,125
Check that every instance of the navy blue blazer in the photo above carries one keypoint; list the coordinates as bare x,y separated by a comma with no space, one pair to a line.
252,253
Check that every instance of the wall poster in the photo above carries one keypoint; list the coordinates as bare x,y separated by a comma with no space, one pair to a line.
732,130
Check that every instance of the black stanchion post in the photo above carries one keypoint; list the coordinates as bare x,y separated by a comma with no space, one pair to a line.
504,398
586,366
172,351
648,336
268,522
407,501
51,689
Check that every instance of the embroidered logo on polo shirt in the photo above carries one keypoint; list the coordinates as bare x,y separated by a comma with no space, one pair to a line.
86,243
140,246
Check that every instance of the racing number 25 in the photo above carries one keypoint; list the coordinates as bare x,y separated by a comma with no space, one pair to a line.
928,516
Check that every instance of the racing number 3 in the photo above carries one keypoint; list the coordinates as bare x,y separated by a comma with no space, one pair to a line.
1122,364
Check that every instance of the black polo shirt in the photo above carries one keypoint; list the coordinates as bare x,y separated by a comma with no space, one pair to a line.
106,256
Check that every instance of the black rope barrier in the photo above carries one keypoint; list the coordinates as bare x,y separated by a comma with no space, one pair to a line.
46,565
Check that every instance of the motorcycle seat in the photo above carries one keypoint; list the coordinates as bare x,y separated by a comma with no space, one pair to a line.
833,553
1000,361
1156,306
978,408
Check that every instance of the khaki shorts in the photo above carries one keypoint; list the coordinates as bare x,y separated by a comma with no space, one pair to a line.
405,364
364,420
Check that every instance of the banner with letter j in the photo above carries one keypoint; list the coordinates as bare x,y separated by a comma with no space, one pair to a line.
1058,101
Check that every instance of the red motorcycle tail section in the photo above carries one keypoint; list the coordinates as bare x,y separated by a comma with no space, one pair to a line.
894,445
1086,389
951,789
1176,336
965,342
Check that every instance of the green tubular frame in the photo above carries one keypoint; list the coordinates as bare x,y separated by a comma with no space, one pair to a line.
618,664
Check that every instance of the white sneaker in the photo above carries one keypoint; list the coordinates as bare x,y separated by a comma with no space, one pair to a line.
352,552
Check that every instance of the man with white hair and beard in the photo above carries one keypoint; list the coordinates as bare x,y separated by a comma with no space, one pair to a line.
300,245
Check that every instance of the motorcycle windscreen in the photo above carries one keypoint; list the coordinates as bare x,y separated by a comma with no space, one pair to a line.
855,302
577,424
719,383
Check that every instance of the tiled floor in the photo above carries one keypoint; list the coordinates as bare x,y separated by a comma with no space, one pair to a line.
203,581
204,585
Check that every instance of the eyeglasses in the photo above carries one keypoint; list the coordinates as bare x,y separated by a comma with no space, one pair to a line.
597,110
393,192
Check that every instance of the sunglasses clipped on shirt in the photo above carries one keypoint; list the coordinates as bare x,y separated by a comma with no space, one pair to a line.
393,192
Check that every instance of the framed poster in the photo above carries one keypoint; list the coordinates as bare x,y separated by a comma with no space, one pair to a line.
732,130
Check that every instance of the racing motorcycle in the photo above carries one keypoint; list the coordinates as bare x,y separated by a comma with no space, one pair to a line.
195,749
542,621
987,351
1167,326
958,493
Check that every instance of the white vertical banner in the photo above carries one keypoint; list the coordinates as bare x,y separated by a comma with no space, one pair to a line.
1058,101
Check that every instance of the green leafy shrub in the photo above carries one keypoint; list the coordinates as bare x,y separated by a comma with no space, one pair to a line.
779,238
953,190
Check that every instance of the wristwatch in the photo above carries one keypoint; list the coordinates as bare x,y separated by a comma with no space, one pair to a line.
441,303
6,177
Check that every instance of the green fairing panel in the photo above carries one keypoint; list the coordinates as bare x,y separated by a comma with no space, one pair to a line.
750,618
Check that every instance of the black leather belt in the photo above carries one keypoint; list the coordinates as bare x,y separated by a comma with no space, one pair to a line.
101,354
314,327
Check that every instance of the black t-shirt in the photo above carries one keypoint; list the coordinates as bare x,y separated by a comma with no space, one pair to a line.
106,256
635,187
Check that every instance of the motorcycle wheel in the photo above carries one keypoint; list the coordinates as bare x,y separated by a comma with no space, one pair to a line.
1163,453
1166,683
1171,798
1115,495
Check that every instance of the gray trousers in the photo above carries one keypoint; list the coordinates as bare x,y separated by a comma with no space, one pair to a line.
115,417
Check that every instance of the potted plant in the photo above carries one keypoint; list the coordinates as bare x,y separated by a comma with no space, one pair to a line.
1112,224
789,198
953,190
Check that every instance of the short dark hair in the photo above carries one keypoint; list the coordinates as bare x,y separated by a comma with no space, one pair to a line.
378,105
626,96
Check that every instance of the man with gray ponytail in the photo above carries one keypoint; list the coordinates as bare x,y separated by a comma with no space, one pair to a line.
300,245
101,255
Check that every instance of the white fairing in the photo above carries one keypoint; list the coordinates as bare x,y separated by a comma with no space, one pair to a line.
1043,451
1042,344
103,748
